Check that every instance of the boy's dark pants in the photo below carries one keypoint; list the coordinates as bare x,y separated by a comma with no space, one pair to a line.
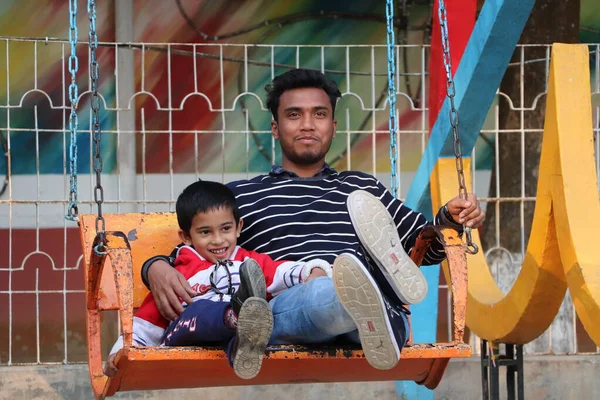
201,323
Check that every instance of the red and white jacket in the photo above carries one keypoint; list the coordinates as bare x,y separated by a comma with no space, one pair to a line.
149,325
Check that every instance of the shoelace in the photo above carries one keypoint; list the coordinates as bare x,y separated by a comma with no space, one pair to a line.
230,289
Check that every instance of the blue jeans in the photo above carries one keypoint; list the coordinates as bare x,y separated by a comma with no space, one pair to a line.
311,313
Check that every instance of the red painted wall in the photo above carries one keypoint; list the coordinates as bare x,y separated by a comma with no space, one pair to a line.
50,305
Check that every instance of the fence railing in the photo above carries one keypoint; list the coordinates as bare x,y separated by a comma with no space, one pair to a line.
171,113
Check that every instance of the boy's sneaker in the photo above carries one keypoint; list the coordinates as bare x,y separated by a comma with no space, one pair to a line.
377,232
254,326
252,284
381,326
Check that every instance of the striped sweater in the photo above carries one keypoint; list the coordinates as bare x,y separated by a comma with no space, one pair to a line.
300,219
292,218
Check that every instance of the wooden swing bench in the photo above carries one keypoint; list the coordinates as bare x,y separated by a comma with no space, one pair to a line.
113,282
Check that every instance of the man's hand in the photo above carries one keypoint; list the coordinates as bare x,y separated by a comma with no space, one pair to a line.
168,285
109,368
467,212
315,273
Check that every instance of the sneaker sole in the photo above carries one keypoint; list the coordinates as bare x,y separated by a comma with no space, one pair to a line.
377,232
254,279
363,301
255,324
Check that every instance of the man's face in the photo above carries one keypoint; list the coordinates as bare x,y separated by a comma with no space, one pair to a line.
306,126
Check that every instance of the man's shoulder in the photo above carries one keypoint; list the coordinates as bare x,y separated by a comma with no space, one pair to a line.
259,179
357,175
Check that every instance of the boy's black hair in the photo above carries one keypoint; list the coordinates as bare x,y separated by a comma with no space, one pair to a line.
300,78
202,197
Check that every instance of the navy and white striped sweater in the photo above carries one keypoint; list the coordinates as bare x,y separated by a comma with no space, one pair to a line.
300,219
292,218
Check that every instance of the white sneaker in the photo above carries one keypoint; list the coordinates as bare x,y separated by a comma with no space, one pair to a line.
363,301
377,232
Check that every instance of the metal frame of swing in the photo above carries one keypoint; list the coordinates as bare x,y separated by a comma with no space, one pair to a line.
139,367
491,360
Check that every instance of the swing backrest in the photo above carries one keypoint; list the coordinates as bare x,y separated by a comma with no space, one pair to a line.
149,235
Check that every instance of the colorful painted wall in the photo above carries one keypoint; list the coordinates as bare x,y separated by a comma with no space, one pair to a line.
161,22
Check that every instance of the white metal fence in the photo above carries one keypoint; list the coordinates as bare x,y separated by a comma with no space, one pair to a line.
174,112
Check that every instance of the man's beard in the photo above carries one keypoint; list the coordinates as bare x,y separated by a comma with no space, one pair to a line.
306,157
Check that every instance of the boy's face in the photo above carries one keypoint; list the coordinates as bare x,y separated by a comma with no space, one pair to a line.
213,234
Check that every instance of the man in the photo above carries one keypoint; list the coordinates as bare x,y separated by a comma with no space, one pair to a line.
301,211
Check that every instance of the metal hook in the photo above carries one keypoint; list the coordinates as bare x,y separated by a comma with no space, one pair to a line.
471,247
100,249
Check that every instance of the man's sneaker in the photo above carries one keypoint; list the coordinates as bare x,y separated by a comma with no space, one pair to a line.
252,284
254,326
381,329
377,232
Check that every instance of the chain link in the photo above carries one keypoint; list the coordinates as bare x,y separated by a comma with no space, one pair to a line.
454,120
100,249
73,211
391,49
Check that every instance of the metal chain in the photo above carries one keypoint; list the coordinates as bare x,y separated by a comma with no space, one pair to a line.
73,211
100,249
450,93
391,47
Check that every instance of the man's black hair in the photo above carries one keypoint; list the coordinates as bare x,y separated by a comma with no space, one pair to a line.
300,78
202,197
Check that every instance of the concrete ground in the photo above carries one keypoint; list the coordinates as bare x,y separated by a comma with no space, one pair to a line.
546,377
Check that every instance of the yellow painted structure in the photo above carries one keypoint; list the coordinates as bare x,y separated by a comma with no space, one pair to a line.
562,247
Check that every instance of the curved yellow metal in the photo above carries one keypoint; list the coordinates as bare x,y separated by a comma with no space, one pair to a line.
561,246
574,180
530,306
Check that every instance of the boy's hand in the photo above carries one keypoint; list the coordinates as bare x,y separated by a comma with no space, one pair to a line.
315,273
467,212
109,368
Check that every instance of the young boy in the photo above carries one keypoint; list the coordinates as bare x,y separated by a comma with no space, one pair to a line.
231,285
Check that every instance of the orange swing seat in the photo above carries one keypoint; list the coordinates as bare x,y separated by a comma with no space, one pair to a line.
113,282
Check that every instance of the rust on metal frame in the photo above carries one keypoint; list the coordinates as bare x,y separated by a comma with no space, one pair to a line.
456,258
144,368
422,244
457,265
